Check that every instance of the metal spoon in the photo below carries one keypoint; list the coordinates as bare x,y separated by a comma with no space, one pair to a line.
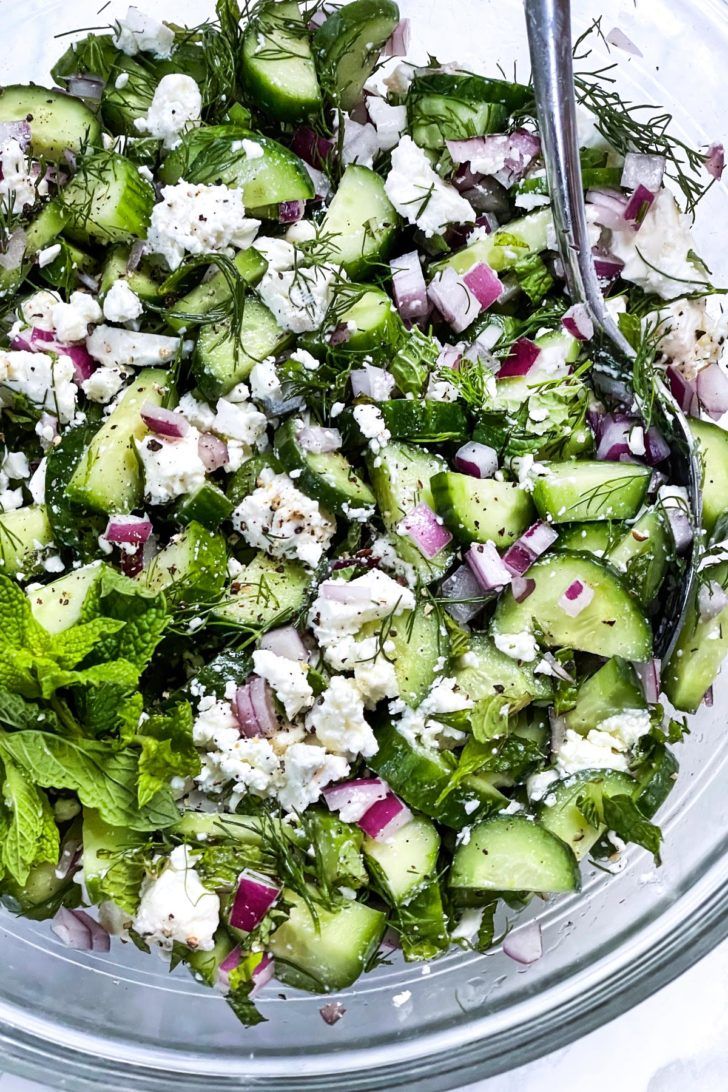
549,38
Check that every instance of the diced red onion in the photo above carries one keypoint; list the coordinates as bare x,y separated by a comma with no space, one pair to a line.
253,708
576,598
263,973
408,287
522,357
683,390
372,382
610,206
70,858
128,529
290,212
464,178
15,130
319,440
712,389
638,206
286,642
648,674
137,250
643,169
332,1012
490,200
614,436
85,87
524,945
657,481
343,592
464,151
619,39
163,421
708,698
44,341
228,964
78,930
398,42
680,526
310,146
212,451
484,283
578,322
522,587
712,600
715,160
487,566
254,896
352,799
449,357
385,817
426,530
515,151
340,334
131,560
534,542
11,258
559,672
607,268
100,939
477,460
462,590
453,299
657,448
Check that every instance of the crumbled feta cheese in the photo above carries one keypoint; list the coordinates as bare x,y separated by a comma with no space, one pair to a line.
199,219
115,346
691,333
71,320
423,726
539,785
306,360
519,646
252,149
420,195
239,421
598,750
299,298
368,598
265,385
138,32
46,381
402,998
48,255
390,121
121,303
338,720
657,256
360,144
288,678
307,769
174,109
279,519
371,424
15,465
104,384
37,310
36,485
628,726
20,185
527,470
171,467
176,907
384,550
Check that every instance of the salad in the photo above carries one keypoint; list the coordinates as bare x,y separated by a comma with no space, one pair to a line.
334,545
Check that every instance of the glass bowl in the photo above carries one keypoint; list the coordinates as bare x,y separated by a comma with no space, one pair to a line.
82,1020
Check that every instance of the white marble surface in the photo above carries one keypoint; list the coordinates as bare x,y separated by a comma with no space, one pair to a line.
677,1041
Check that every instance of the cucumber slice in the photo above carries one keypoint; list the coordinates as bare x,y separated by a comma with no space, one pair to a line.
64,270
108,477
39,896
347,47
559,812
656,776
222,358
327,477
420,777
512,853
121,106
215,292
422,924
590,490
418,422
610,690
489,671
328,952
208,506
191,569
504,247
699,653
373,325
406,862
360,223
278,67
419,647
58,605
24,535
214,155
453,106
713,444
611,625
643,555
57,121
44,228
590,538
266,593
482,510
106,848
107,201
140,280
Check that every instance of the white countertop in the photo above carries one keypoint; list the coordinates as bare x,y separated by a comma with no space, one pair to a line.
677,1041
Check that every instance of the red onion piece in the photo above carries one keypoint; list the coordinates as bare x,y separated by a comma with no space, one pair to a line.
371,382
638,206
44,341
384,818
680,526
15,130
163,421
100,939
131,560
619,39
524,945
310,146
487,566
398,42
683,390
477,460
453,299
408,287
85,87
11,258
449,357
461,588
128,529
72,930
228,964
290,212
712,600
578,322
254,896
70,858
137,250
614,436
319,440
484,283
254,709
715,160
332,1012
263,973
642,169
712,389
559,672
426,530
286,642
649,676
352,799
212,450
610,206
522,587
534,542
607,268
657,448
522,357
511,154
708,698
576,598
557,725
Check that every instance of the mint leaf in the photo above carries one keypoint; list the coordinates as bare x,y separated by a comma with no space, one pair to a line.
144,612
533,276
71,646
31,835
18,627
119,673
167,751
16,712
622,815
240,980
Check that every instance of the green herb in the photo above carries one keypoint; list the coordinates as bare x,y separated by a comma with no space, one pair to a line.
31,836
534,278
622,815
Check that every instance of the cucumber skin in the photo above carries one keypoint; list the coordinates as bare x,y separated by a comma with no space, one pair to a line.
713,443
559,814
359,243
107,202
314,480
610,690
208,506
260,76
424,422
698,657
472,865
617,491
363,23
287,583
214,363
48,138
198,577
481,510
20,529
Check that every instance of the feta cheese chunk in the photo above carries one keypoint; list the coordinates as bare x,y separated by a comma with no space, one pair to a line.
174,109
176,907
279,519
390,121
288,678
420,195
371,424
519,646
342,607
104,384
338,720
138,32
116,347
121,303
596,751
37,310
171,467
657,256
46,381
71,320
20,186
307,769
199,219
299,298
423,726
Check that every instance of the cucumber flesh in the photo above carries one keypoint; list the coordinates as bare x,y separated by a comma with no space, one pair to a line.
58,605
419,650
488,672
327,476
612,689
360,223
482,510
278,65
266,593
504,247
643,555
699,654
403,864
559,813
713,443
121,106
215,292
191,568
591,538
347,46
223,358
24,535
589,490
512,853
453,106
57,121
107,201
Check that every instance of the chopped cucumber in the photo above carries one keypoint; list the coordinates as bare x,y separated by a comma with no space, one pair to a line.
191,569
420,650
643,555
591,538
482,510
700,651
560,814
347,46
25,533
403,864
107,201
611,624
58,122
141,280
215,292
327,477
589,490
278,67
58,605
105,853
504,247
454,106
223,357
123,101
45,228
265,594
206,965
108,477
208,506
327,952
611,690
713,444
372,323
424,422
512,853
360,223
488,672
